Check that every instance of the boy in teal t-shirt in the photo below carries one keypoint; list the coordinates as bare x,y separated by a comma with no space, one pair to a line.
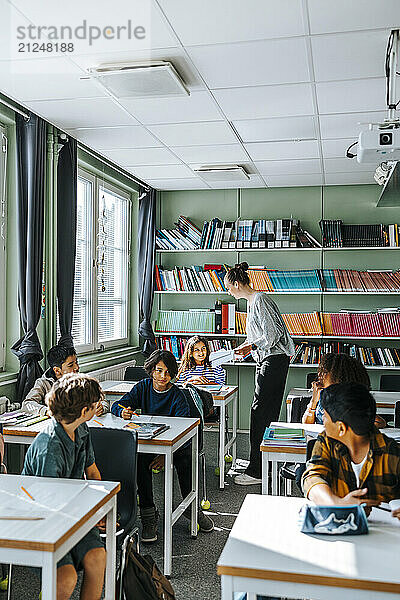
64,450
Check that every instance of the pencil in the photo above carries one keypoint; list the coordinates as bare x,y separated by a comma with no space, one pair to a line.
98,422
127,408
27,493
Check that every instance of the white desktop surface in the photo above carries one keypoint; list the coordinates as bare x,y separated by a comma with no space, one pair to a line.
266,544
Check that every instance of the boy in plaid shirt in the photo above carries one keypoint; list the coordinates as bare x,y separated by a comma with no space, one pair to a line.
352,462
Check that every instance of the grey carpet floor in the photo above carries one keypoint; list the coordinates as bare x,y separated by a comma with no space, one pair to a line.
194,561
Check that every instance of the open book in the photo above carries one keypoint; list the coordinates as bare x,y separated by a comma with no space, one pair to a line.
146,431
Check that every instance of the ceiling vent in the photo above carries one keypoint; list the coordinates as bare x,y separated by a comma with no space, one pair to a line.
222,173
140,80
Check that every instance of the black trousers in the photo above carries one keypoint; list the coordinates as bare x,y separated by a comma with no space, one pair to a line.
270,383
182,464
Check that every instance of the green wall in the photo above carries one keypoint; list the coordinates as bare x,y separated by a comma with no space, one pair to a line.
353,204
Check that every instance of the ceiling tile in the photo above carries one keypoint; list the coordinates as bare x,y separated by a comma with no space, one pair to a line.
350,178
351,96
348,125
252,63
283,150
70,114
219,154
108,138
143,156
346,165
199,106
44,79
210,22
289,167
163,172
179,134
255,181
349,55
194,183
266,101
337,148
293,180
103,15
263,130
327,16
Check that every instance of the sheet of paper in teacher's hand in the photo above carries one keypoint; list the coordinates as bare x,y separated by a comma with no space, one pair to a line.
221,357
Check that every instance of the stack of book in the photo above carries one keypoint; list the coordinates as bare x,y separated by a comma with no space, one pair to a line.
310,354
194,320
186,236
329,280
336,234
177,344
241,322
209,278
348,322
282,436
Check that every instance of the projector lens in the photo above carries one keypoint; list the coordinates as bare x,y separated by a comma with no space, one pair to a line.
385,139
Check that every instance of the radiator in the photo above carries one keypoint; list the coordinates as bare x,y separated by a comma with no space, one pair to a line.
115,372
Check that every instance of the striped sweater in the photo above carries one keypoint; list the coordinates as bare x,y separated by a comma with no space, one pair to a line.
214,375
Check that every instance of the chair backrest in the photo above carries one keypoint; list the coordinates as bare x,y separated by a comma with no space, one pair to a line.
397,414
135,374
299,405
390,383
194,409
310,377
121,467
2,465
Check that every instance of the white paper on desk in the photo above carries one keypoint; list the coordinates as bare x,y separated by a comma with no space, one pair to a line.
221,356
13,506
56,496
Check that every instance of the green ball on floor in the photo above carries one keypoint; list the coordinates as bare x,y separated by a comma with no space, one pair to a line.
228,458
205,504
216,471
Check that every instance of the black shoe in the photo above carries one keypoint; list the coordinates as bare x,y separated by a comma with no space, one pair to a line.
206,525
149,517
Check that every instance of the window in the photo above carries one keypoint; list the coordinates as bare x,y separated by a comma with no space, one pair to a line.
3,223
102,265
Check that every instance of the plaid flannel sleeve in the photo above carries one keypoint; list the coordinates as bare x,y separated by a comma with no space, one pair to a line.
319,470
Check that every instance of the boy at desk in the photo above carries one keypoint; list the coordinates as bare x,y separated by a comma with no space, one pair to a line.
61,360
352,461
64,450
158,396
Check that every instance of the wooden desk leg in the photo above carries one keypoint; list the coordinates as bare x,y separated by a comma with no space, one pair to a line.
168,479
111,548
264,472
226,587
49,577
221,458
195,482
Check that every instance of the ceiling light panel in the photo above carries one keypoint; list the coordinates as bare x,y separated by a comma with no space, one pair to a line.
264,62
264,130
210,22
266,101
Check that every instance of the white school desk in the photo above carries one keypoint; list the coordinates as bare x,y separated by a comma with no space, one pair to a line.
385,401
180,431
42,543
227,394
276,454
267,554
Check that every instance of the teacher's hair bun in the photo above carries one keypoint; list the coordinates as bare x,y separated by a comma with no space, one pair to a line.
243,266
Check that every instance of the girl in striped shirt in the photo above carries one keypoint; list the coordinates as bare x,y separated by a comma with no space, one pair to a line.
196,367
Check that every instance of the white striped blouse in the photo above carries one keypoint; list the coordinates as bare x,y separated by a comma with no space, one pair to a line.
214,375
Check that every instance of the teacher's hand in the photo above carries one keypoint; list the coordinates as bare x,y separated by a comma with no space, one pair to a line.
243,349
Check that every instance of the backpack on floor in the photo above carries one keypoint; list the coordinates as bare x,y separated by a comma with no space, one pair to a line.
139,578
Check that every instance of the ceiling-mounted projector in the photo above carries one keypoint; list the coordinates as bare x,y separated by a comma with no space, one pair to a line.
379,143
222,173
140,80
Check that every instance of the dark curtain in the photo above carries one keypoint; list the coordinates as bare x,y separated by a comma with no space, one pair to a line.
31,165
66,237
146,252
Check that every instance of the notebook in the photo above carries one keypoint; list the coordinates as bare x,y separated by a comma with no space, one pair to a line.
146,431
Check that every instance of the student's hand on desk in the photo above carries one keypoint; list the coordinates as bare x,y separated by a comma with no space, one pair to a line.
396,513
127,413
201,380
99,409
157,463
358,497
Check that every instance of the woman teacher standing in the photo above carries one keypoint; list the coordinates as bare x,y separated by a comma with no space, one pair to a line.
271,346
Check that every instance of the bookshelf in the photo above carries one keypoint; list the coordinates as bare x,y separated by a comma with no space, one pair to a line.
309,204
